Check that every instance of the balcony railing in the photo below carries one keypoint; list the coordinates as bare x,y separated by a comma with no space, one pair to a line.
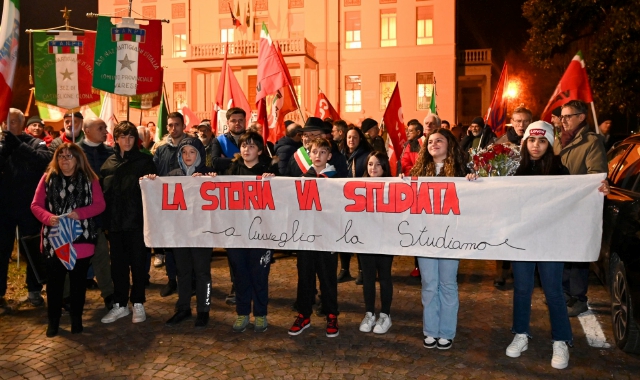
477,56
249,49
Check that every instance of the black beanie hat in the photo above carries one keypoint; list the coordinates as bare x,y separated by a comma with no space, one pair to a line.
478,120
367,124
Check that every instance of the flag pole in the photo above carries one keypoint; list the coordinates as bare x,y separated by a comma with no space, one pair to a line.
295,98
595,118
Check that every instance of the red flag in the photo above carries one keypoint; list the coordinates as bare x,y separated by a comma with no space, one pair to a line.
235,21
324,108
393,120
237,96
574,85
283,102
271,75
190,118
263,119
497,113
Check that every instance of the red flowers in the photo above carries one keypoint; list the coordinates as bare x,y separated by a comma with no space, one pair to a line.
497,160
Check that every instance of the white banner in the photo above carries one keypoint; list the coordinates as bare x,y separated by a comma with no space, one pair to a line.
555,218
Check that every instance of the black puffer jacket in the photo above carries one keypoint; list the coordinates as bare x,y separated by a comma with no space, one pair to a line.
121,187
285,148
96,155
238,167
23,160
166,157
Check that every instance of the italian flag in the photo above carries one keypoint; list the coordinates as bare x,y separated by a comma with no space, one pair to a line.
127,57
63,68
9,35
50,113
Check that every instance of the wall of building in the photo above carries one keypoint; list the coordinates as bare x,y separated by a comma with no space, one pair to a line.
322,23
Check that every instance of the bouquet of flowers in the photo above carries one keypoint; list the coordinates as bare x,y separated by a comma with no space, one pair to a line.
495,161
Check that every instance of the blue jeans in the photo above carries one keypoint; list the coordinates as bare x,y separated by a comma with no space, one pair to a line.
439,297
551,280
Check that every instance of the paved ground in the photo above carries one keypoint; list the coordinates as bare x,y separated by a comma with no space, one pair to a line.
151,350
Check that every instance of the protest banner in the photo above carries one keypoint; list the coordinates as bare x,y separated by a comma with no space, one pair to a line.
555,218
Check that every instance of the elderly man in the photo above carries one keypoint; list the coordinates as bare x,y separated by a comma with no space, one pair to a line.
287,145
478,136
520,120
72,131
97,152
35,127
582,152
23,160
431,123
314,128
206,136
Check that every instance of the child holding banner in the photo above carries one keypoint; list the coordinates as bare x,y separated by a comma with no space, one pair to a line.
537,158
441,156
251,266
373,264
325,264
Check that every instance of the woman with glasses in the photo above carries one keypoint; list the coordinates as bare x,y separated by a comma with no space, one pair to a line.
66,200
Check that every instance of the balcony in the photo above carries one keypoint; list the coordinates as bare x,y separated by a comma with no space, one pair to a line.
476,57
249,49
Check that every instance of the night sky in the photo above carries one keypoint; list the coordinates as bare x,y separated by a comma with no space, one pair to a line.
496,24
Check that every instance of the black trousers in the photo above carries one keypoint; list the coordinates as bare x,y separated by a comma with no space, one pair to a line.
251,268
55,287
27,225
575,280
128,255
325,265
380,265
193,262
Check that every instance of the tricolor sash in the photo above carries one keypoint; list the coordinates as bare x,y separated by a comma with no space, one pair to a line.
302,159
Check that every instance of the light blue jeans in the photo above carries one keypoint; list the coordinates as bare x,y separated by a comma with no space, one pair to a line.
439,297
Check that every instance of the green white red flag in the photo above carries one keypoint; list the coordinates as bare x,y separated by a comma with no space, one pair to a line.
127,57
63,68
574,85
9,35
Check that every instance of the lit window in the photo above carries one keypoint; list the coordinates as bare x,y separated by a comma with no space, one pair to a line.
179,40
424,25
179,95
353,93
352,30
388,27
226,35
387,84
424,88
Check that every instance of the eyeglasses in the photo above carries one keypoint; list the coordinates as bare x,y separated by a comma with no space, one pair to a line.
66,157
567,117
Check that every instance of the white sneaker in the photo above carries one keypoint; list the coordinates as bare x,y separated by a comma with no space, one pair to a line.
115,313
158,261
138,313
368,322
520,344
383,325
560,358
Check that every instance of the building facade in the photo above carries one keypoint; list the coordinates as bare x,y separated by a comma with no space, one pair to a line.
352,50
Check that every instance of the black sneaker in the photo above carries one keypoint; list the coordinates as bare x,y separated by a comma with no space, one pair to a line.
344,276
430,342
299,325
359,278
332,326
108,302
202,320
230,299
169,289
444,344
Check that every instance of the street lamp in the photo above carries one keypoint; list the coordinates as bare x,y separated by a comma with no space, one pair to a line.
512,89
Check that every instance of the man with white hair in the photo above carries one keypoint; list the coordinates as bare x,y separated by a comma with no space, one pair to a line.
72,131
431,123
23,160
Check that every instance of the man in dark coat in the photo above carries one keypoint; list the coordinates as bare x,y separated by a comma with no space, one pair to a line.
23,160
72,131
478,136
97,152
287,146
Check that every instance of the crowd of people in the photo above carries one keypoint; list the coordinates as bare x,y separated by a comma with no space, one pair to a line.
83,198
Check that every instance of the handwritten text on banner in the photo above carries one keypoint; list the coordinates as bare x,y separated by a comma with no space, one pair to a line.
555,218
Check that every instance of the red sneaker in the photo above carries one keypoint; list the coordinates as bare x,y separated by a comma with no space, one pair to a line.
299,325
415,272
332,326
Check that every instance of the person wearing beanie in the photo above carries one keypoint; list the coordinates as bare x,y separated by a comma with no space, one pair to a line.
538,158
371,131
478,136
582,152
520,120
35,127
